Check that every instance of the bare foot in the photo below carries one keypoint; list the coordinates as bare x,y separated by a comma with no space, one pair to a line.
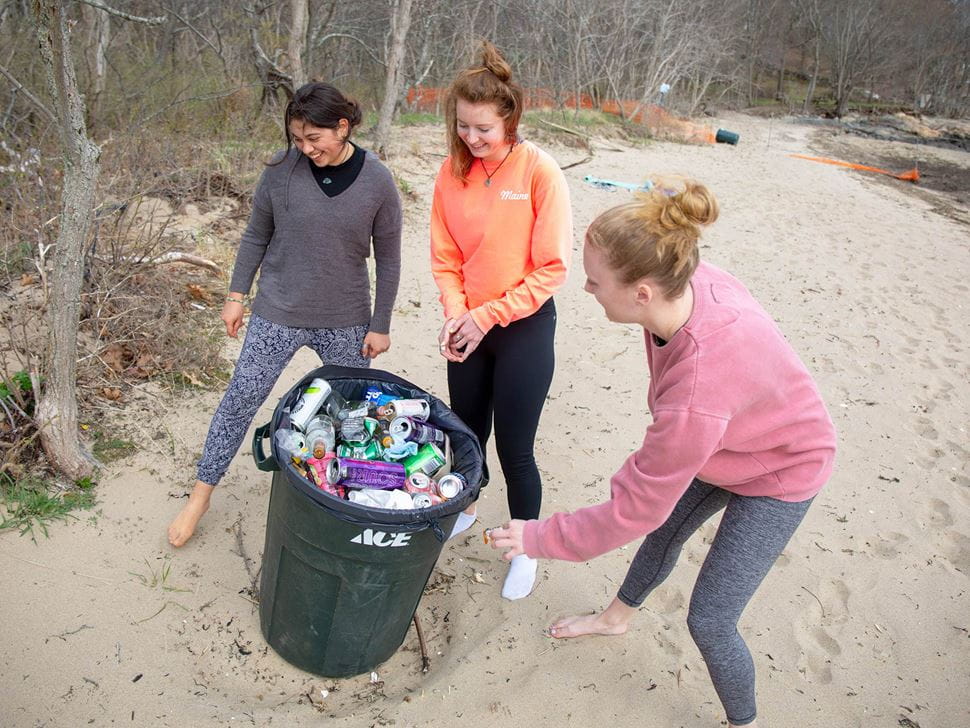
183,526
613,620
585,624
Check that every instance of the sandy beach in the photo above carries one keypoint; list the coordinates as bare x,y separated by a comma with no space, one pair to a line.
864,621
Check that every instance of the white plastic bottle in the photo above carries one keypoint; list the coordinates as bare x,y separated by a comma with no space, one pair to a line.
310,403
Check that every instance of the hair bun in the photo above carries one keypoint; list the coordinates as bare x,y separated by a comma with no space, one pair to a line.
493,62
691,208
355,115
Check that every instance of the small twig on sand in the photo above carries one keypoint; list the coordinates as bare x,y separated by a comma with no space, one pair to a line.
160,610
241,553
45,566
64,635
819,602
425,660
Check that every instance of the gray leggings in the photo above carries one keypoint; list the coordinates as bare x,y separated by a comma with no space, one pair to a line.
266,351
752,534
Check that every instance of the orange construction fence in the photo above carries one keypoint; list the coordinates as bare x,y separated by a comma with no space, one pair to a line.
659,122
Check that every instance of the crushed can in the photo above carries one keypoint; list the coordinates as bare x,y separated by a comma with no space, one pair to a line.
365,474
428,460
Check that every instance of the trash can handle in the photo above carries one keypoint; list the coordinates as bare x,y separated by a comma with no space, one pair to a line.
263,461
437,530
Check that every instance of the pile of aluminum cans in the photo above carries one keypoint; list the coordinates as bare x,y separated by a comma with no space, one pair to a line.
378,451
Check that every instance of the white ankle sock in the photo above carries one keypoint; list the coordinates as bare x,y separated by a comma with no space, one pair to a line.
463,523
521,577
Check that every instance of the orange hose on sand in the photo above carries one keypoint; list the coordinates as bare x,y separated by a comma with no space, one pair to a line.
910,176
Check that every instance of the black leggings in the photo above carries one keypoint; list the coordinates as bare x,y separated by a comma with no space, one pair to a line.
507,377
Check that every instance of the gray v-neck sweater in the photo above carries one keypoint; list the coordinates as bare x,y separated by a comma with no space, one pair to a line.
311,250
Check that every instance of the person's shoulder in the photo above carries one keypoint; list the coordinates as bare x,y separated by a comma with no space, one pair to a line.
375,169
375,166
290,154
539,160
731,317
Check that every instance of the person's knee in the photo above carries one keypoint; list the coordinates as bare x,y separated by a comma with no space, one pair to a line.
708,629
516,462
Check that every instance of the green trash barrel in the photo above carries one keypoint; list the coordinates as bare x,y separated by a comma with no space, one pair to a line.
340,582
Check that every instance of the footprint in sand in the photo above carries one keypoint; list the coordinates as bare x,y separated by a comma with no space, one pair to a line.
888,546
818,648
957,550
938,513
667,600
924,428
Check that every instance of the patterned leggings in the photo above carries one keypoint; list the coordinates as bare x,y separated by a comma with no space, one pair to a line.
266,351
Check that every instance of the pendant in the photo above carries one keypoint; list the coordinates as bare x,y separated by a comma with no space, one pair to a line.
488,182
326,180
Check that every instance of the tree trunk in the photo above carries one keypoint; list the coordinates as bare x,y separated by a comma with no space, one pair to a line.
56,413
99,24
816,62
400,23
300,21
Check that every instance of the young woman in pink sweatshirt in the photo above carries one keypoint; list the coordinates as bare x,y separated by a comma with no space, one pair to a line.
738,424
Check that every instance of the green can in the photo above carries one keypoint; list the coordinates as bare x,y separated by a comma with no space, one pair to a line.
371,450
426,460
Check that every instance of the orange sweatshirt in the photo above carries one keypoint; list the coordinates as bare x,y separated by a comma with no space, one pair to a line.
501,251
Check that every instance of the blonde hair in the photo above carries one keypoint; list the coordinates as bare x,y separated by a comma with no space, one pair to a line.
655,236
489,82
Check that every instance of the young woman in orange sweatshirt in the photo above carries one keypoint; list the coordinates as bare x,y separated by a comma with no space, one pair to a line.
501,237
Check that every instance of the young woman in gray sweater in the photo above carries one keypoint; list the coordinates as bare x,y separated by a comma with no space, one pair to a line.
320,207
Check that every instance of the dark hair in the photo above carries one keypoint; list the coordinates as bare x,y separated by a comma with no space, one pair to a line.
490,82
321,105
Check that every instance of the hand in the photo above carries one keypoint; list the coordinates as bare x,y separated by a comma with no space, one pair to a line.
375,344
232,315
445,347
508,537
464,336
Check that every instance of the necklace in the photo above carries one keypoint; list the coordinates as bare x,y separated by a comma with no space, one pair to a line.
488,177
327,180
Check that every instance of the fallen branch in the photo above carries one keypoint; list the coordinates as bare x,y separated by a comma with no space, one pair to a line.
176,256
584,160
584,137
425,660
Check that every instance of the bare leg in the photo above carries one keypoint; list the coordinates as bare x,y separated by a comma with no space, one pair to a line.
183,526
613,620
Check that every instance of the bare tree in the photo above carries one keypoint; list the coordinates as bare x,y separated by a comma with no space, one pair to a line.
394,79
809,14
299,22
852,34
99,27
57,408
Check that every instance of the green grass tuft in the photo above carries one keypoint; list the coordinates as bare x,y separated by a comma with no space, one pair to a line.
28,505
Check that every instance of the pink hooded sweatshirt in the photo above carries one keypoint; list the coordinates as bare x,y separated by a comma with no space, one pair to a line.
732,405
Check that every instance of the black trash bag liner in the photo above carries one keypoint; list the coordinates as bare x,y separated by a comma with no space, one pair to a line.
351,383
